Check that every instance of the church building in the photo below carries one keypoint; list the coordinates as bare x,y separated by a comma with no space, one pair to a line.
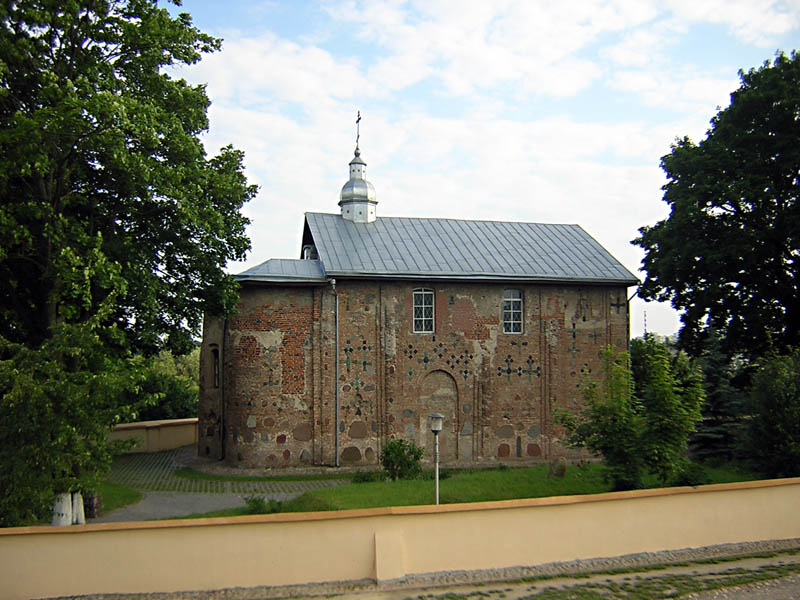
383,321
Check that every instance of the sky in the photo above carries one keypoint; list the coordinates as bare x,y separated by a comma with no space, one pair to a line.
532,111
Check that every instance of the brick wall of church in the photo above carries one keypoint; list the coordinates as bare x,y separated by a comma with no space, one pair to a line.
497,390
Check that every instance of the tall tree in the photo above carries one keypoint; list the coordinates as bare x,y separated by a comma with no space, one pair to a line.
671,398
114,224
640,425
728,255
720,434
774,428
611,424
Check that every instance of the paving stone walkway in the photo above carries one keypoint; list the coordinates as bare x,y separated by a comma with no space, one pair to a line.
170,495
156,472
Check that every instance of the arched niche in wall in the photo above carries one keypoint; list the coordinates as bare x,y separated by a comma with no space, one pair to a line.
438,393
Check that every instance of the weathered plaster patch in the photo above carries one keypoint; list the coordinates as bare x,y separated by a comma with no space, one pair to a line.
265,339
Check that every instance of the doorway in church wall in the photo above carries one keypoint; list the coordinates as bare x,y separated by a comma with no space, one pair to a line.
438,393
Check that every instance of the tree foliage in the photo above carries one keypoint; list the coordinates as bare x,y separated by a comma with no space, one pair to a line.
720,435
644,425
57,403
775,424
611,423
672,396
114,225
728,255
100,158
169,387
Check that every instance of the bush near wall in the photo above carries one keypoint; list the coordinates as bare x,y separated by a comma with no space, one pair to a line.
170,389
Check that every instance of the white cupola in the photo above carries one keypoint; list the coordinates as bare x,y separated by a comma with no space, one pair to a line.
357,198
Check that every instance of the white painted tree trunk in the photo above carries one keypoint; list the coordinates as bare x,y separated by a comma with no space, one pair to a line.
62,510
78,516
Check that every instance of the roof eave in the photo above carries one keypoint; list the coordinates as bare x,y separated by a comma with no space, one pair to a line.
485,277
280,280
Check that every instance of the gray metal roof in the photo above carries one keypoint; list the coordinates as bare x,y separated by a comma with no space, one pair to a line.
395,247
285,270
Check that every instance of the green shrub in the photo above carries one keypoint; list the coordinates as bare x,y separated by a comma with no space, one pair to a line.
401,459
692,474
258,505
431,475
368,476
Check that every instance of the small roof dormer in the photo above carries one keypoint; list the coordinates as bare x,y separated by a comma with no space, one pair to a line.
357,198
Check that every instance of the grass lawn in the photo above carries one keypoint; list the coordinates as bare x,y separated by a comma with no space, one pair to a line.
117,496
477,486
468,486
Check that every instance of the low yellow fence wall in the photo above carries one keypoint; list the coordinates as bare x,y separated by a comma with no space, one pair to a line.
156,436
387,543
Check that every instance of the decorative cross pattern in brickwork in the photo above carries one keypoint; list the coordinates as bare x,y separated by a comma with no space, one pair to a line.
456,357
574,348
456,360
582,308
508,370
519,346
595,336
425,360
618,304
348,354
529,370
364,348
357,383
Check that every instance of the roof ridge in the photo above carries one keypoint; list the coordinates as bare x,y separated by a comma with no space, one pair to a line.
454,219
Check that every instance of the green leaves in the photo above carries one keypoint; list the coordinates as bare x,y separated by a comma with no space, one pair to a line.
57,403
401,459
98,143
775,425
643,425
115,226
727,256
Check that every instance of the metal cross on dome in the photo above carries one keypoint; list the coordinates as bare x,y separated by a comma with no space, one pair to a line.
358,129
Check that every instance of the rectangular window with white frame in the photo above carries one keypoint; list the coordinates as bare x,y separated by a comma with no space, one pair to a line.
423,310
512,311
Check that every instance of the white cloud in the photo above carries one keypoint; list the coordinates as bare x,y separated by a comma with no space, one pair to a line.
471,110
472,46
758,22
645,46
252,70
693,93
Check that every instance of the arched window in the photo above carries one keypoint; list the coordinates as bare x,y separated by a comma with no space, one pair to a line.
512,311
215,365
423,310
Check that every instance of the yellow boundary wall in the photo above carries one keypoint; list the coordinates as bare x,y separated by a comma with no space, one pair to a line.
157,436
387,543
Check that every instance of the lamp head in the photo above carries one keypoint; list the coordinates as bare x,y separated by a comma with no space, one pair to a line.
436,422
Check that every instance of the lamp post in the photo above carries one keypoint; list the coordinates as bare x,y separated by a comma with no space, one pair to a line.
436,427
